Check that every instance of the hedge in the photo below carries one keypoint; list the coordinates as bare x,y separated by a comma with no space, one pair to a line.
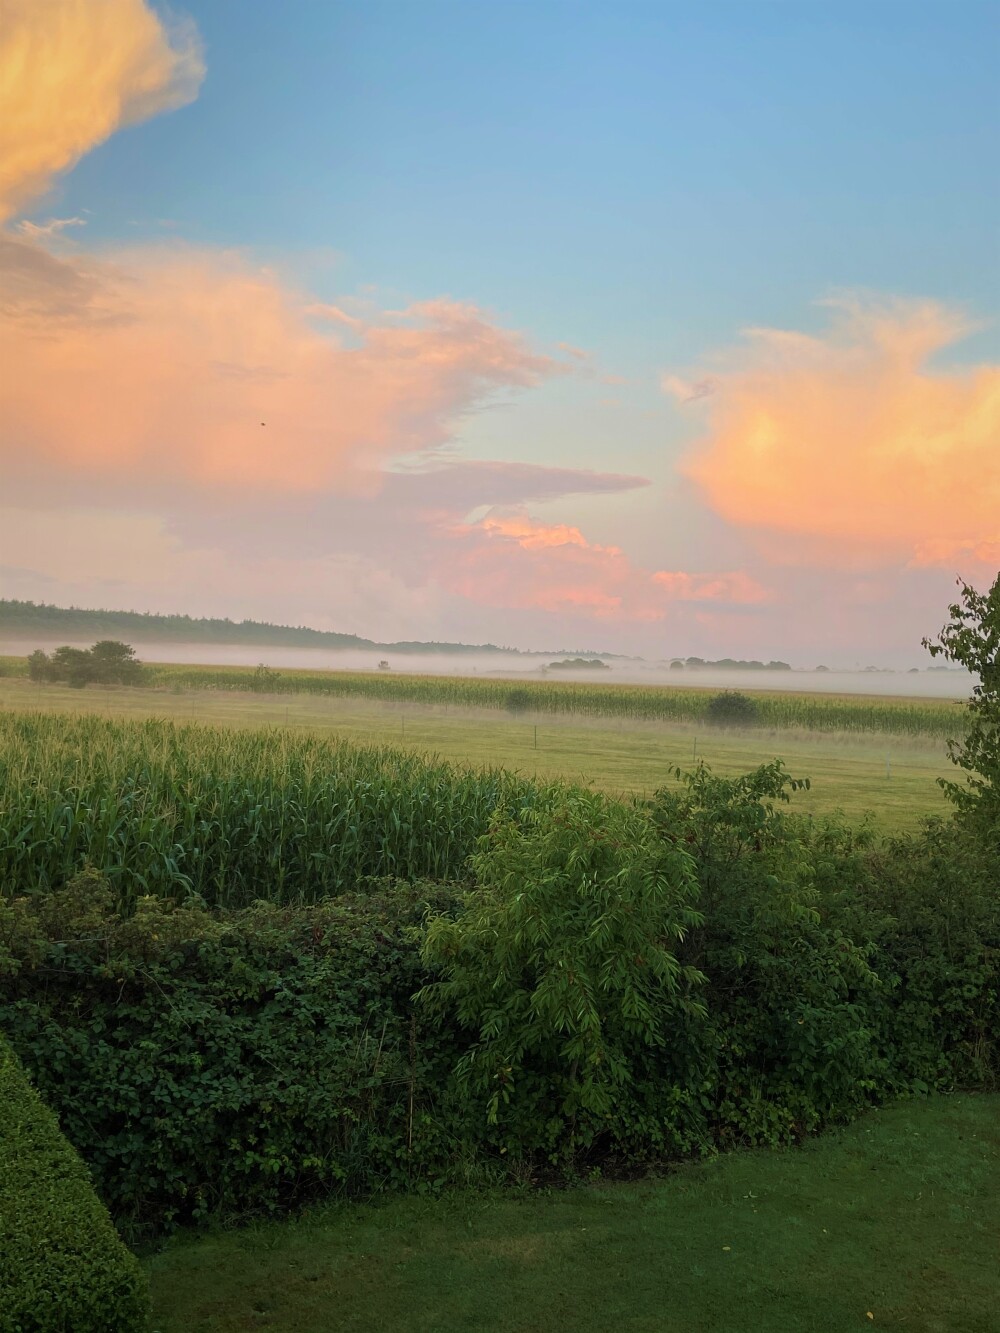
622,984
62,1265
229,1063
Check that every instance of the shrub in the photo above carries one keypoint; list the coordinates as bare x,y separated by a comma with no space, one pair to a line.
787,988
61,1264
563,968
929,911
732,709
230,1062
39,666
265,678
518,701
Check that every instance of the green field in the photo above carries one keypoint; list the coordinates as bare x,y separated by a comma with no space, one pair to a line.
784,709
895,776
892,1223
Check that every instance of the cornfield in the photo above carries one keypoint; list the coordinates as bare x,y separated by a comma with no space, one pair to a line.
647,703
234,816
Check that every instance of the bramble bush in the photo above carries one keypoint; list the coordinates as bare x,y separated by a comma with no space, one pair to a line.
228,1063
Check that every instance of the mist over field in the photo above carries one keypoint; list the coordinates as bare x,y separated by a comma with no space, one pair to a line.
950,684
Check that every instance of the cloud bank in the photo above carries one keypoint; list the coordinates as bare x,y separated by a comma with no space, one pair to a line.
74,71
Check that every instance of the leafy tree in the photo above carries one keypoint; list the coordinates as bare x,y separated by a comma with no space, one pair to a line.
115,663
972,639
39,666
75,666
563,967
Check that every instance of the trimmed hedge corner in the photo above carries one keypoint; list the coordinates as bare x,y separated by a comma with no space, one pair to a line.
62,1265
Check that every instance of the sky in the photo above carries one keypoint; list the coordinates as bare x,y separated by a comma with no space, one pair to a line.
657,328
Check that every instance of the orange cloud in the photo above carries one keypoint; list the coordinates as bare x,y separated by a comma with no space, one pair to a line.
74,71
514,561
736,587
957,554
189,366
850,439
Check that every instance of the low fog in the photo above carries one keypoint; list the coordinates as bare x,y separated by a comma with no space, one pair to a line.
934,684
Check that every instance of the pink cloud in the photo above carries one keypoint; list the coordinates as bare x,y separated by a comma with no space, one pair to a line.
515,561
190,366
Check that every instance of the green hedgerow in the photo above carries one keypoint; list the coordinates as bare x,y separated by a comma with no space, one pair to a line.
62,1265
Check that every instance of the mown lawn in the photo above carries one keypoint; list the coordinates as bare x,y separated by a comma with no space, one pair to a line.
891,1223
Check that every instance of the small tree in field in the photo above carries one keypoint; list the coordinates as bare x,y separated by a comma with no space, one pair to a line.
115,663
972,638
39,666
73,666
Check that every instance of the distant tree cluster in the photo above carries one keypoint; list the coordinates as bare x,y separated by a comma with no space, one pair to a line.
728,664
580,664
109,662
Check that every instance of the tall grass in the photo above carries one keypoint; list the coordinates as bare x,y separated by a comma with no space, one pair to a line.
234,816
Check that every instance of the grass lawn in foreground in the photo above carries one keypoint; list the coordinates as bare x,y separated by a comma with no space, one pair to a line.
848,770
891,1223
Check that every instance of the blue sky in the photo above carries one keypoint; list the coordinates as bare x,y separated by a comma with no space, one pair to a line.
640,181
642,178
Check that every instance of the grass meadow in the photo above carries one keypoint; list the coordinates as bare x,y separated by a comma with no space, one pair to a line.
894,776
891,1223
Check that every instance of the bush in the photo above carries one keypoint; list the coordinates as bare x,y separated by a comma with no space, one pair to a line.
788,989
265,679
731,709
518,701
61,1264
562,968
929,910
232,1062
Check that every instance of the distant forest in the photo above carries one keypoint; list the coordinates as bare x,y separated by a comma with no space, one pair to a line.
39,620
